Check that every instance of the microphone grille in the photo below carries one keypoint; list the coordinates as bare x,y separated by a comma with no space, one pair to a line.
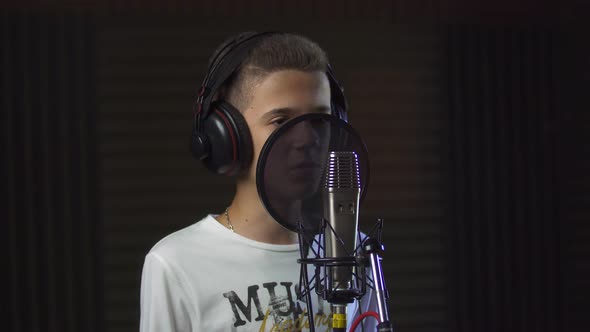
342,171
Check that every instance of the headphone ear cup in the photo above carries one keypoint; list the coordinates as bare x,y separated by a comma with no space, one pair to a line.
227,136
199,145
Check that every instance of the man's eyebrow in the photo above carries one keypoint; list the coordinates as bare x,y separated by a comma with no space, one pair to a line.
289,111
277,111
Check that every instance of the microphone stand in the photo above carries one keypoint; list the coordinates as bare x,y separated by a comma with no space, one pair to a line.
374,249
303,277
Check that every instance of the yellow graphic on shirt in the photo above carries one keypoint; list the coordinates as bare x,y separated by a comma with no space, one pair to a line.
290,325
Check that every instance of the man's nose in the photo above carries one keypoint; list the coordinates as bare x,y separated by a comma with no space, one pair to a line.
305,136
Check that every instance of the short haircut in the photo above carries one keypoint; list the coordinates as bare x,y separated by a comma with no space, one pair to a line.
274,52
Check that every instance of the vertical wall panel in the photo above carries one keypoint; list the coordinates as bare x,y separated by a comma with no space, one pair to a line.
48,160
573,70
503,214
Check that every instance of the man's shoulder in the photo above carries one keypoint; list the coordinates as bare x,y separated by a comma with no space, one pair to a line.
187,240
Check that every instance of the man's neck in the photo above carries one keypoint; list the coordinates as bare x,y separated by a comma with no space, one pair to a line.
250,219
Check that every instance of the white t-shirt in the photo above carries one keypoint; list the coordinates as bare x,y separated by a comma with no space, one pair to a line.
207,278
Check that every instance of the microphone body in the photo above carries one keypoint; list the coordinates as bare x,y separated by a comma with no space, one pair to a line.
341,198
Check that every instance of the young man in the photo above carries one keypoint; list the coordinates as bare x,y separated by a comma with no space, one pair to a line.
237,270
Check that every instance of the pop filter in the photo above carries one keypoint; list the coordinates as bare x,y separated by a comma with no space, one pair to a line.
292,163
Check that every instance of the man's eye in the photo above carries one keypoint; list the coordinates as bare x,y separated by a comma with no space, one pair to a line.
278,121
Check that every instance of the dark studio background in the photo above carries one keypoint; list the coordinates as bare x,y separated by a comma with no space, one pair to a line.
476,119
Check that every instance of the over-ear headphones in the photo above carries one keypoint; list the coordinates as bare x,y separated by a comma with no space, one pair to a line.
220,136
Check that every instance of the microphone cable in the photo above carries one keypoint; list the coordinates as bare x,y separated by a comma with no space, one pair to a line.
360,318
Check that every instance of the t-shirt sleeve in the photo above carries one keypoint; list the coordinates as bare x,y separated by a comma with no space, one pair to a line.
163,302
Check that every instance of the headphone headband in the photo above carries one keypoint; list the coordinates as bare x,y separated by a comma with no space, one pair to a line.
223,66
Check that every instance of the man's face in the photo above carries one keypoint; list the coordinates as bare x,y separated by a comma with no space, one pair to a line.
279,97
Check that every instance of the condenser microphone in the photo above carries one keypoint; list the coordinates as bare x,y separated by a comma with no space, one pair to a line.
341,198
